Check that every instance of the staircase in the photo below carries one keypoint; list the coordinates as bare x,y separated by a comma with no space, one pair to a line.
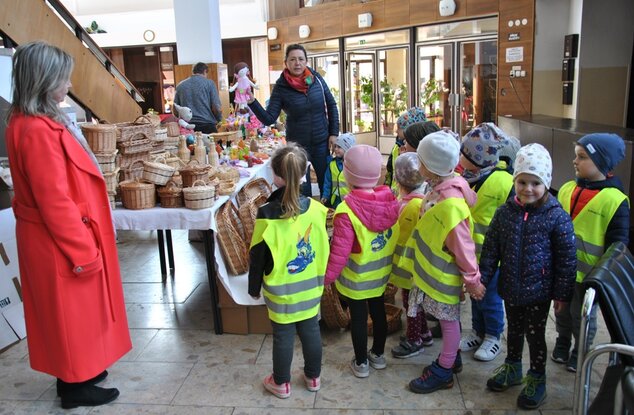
98,85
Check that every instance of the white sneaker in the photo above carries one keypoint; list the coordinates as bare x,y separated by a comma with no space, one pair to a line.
470,342
489,349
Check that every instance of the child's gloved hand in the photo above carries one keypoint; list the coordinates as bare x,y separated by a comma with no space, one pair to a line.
324,201
477,292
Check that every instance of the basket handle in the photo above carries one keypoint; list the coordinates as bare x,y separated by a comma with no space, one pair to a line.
171,184
199,180
144,117
193,160
129,169
162,157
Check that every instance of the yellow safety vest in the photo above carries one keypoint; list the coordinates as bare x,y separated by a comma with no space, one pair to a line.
395,154
366,273
339,187
491,195
293,289
435,271
407,220
591,224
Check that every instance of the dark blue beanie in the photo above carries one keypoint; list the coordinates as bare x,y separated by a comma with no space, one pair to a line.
606,150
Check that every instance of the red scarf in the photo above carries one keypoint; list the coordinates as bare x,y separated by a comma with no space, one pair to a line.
299,83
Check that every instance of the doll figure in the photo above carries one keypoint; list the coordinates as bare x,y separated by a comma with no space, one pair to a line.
243,84
184,116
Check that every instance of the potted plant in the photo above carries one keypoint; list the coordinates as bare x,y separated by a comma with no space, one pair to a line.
430,100
393,104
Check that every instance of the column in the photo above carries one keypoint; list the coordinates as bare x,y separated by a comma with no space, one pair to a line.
198,31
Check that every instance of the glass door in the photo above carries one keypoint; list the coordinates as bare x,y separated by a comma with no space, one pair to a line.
393,97
361,97
478,84
435,82
328,67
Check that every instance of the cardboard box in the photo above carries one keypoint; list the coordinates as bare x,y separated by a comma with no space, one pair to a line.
240,319
12,326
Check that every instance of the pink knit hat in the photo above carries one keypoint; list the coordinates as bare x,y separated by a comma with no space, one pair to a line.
362,166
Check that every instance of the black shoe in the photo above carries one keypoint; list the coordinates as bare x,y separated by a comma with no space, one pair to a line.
436,332
88,395
561,352
61,385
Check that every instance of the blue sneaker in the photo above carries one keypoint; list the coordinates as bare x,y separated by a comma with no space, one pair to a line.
434,377
505,376
534,392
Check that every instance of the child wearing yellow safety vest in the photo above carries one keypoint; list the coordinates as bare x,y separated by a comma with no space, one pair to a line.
365,231
480,153
335,186
289,252
600,213
440,254
412,190
409,117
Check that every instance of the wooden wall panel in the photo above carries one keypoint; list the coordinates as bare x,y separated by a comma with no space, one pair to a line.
351,17
182,72
423,11
397,12
93,86
333,23
481,7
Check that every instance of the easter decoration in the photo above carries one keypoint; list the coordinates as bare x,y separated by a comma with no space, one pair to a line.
243,86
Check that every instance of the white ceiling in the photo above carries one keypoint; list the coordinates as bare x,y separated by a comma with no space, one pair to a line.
93,7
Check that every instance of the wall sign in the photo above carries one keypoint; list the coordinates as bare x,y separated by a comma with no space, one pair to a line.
514,36
275,47
515,54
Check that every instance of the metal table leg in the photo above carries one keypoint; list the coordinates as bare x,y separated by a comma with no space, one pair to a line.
161,248
208,239
170,251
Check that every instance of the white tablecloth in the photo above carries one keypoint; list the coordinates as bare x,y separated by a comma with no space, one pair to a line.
201,219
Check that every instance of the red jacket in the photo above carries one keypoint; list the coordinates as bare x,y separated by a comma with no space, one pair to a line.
73,297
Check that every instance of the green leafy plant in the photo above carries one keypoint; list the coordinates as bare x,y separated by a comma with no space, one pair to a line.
367,91
394,101
430,95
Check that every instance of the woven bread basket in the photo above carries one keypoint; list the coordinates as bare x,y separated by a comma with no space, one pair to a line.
225,137
111,178
107,161
252,189
394,322
141,127
102,138
227,173
173,130
194,171
225,187
248,211
136,195
157,172
199,195
332,311
171,195
134,171
233,247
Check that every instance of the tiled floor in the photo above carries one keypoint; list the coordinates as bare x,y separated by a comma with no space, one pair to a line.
179,366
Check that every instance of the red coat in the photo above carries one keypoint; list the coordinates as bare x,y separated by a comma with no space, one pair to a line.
73,297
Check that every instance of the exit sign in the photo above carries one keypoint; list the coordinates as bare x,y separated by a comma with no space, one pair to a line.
362,42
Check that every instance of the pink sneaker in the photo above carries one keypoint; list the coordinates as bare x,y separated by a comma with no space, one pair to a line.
312,384
282,391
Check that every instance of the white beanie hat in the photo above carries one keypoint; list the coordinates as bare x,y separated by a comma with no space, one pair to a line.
534,159
439,152
345,141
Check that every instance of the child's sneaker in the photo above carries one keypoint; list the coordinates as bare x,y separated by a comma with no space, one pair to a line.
406,349
427,339
360,371
377,361
282,391
561,352
470,342
505,376
489,349
571,365
312,384
457,364
434,377
534,393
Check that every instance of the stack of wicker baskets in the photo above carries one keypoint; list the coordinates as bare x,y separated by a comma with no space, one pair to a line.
170,195
231,239
199,195
157,172
134,141
173,132
102,139
194,171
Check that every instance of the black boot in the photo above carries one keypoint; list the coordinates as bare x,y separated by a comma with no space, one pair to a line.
86,395
99,378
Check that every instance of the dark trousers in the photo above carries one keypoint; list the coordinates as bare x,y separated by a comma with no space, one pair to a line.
206,128
284,342
359,326
529,321
317,155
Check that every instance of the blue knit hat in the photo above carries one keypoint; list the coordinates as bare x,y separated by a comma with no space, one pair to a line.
411,116
345,141
483,144
605,150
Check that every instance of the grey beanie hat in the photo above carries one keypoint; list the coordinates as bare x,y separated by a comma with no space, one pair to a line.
407,171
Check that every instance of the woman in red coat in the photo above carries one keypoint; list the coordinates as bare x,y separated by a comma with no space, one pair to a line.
73,297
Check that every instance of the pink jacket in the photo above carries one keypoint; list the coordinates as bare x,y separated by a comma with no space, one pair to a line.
378,211
459,241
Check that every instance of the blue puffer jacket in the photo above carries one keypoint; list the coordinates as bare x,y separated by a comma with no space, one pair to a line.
535,248
306,120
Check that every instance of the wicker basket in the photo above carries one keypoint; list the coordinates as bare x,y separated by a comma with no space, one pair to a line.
225,137
111,180
141,127
102,138
225,187
131,172
137,195
232,245
389,296
199,196
394,322
135,144
193,172
111,199
173,130
156,172
253,188
107,161
227,173
125,160
171,196
248,211
332,311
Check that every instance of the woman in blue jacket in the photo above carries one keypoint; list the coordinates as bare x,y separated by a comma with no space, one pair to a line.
312,119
